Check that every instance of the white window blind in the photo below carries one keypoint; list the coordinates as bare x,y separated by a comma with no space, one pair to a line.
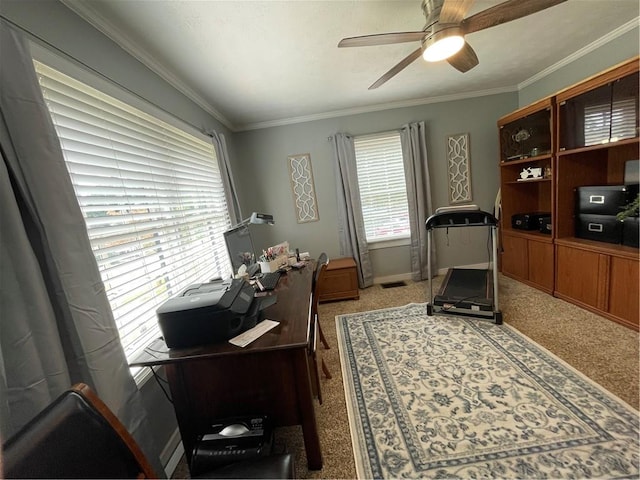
383,190
605,123
152,198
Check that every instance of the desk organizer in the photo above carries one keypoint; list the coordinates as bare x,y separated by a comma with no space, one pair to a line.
273,265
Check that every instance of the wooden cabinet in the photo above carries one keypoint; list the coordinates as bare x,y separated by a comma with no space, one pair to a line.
528,260
340,281
593,133
526,145
597,280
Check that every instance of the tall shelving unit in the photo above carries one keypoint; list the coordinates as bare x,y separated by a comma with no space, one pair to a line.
600,277
527,140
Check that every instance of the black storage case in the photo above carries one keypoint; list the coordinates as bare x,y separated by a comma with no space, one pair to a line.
602,228
601,200
631,232
208,313
545,225
528,221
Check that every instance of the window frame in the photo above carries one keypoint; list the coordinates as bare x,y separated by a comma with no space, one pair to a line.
106,87
391,240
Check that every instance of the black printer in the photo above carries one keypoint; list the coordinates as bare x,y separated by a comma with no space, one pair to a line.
208,313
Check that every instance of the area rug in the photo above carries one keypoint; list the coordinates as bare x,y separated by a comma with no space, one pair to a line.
449,397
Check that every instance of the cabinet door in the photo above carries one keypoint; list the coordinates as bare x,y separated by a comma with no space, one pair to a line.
515,256
623,290
541,264
578,276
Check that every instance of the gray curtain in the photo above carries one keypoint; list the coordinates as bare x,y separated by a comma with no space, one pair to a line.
233,205
56,325
414,155
353,241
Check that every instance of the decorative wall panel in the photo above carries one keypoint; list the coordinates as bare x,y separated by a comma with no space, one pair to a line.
459,168
304,192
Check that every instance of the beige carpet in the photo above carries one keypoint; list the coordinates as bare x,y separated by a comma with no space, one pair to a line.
603,350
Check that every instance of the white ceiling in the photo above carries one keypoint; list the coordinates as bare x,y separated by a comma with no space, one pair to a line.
261,63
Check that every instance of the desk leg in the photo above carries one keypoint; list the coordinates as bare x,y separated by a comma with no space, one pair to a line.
305,399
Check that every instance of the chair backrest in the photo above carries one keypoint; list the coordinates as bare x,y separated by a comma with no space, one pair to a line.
321,267
323,259
76,436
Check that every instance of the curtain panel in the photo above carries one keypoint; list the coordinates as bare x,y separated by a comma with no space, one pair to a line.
56,325
351,234
416,170
231,194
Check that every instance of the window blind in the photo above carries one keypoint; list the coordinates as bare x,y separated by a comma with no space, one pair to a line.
609,122
152,199
383,191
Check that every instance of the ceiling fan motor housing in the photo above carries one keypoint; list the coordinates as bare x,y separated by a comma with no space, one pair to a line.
431,10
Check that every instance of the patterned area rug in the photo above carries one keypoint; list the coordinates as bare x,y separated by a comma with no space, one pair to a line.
446,397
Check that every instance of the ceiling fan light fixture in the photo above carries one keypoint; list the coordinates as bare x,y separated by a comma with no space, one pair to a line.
443,44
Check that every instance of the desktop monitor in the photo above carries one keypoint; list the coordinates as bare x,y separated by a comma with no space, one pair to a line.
240,247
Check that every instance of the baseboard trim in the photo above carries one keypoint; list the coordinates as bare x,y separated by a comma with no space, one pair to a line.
392,278
407,276
174,450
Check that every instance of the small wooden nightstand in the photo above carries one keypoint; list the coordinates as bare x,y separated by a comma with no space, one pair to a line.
340,281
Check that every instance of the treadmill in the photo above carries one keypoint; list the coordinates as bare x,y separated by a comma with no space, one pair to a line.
465,292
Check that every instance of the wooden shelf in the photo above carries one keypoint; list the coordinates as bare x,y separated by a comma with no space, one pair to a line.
601,277
533,180
604,248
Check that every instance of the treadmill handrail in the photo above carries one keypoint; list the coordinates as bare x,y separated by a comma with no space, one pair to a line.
468,218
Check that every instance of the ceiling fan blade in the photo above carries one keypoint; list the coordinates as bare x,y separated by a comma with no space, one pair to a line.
382,39
453,11
465,59
505,12
397,69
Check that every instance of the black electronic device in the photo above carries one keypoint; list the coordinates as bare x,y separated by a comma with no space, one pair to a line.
240,248
231,440
208,313
269,280
528,221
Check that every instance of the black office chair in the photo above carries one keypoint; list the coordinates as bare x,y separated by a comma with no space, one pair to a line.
77,436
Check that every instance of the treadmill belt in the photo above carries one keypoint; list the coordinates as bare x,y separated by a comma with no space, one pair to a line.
466,283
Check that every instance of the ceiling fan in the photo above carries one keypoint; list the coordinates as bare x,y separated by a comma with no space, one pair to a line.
442,38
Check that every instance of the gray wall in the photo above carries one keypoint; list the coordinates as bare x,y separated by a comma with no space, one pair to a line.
261,165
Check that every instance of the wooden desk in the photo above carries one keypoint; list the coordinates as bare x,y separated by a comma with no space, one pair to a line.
271,376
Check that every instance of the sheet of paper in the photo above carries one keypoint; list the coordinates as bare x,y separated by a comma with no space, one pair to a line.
245,338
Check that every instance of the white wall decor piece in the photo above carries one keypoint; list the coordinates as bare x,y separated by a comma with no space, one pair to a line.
304,192
459,168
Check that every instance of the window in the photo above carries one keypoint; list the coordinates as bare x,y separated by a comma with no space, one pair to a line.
383,190
604,123
152,198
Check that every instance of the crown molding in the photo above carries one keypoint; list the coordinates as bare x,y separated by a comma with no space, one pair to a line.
93,17
621,30
373,108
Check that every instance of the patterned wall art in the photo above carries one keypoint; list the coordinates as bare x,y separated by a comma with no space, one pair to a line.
459,168
304,192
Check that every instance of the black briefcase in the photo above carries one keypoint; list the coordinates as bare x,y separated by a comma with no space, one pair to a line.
527,221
